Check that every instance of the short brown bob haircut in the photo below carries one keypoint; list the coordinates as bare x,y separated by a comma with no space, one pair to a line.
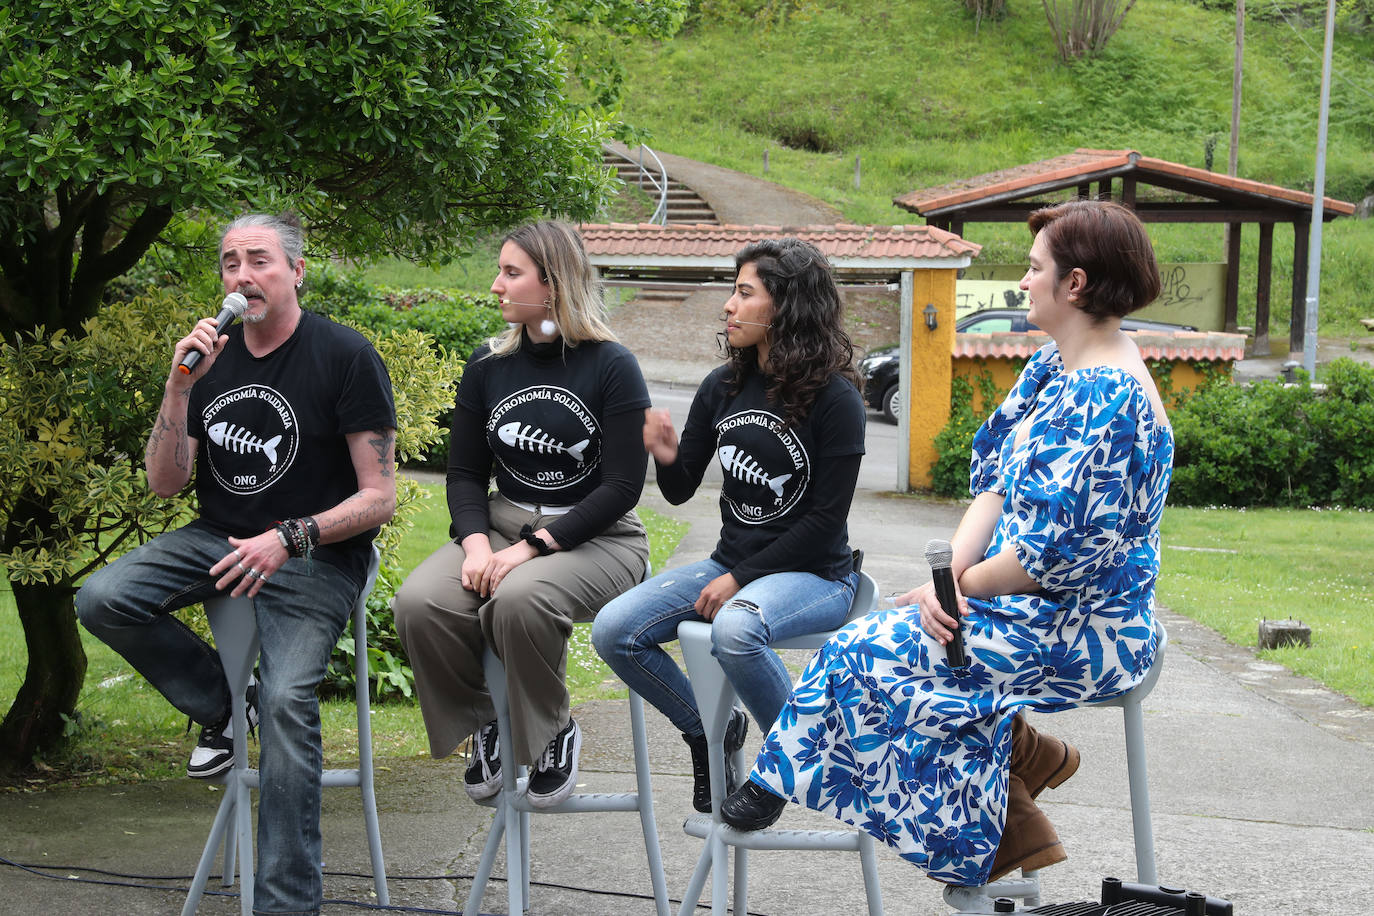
1109,243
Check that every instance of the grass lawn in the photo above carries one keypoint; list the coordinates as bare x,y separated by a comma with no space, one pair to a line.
1230,568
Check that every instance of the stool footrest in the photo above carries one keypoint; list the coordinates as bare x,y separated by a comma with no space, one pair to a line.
701,826
340,778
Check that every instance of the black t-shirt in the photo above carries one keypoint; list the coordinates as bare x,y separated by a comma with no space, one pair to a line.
271,431
551,423
784,500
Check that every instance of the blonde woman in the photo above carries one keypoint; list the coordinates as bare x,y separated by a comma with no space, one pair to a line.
552,409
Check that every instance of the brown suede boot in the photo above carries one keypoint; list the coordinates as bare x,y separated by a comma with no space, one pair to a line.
1042,761
1029,841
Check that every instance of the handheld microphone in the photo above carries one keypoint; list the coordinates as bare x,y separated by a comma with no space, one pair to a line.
939,554
233,307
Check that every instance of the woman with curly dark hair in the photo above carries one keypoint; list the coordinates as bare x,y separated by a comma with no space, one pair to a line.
785,419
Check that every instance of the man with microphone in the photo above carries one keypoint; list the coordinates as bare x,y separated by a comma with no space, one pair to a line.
287,424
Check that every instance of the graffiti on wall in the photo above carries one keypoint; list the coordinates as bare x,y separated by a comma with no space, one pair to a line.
1192,294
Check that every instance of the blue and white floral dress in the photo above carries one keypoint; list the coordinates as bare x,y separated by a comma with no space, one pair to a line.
882,734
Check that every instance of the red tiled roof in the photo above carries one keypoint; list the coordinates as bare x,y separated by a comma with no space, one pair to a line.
1179,345
1089,165
846,242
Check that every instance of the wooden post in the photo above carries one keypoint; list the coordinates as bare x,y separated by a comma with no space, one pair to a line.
1302,230
1233,278
1263,283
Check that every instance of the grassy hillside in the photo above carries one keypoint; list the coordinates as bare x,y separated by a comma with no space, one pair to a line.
922,99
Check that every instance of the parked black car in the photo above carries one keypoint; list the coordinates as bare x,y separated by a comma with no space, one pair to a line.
881,368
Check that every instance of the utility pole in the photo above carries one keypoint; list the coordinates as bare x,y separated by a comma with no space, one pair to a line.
1232,161
1314,272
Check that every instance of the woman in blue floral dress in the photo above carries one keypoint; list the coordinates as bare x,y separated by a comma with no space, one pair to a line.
1055,561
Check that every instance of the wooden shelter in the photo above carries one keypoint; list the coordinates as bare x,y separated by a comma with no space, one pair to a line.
1185,195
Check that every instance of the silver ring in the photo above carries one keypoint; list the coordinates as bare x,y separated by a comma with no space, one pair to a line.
252,573
240,566
237,554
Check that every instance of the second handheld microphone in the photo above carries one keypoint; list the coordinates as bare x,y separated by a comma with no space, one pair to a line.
939,554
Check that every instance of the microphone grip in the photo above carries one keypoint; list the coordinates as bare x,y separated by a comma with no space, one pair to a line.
189,362
225,318
944,592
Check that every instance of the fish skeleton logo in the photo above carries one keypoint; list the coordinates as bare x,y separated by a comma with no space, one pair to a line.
545,437
766,466
253,438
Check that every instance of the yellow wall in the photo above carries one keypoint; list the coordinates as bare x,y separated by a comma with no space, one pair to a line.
931,361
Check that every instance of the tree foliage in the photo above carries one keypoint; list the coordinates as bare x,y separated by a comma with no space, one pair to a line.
392,126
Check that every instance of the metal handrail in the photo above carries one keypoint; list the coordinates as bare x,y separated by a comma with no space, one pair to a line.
660,216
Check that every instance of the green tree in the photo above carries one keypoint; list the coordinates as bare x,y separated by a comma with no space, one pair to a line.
392,126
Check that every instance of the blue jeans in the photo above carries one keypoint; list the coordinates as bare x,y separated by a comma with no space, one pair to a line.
300,616
629,631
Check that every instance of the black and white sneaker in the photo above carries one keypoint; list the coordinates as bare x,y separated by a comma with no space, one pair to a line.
735,731
214,752
556,774
483,777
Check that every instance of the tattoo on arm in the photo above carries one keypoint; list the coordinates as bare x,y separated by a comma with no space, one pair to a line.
382,440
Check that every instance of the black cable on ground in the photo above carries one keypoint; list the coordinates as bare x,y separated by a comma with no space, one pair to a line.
40,870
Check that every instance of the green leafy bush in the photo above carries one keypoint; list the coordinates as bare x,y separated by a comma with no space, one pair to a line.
954,443
1271,444
423,384
456,321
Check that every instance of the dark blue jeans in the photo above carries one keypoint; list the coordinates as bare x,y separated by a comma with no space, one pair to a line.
128,605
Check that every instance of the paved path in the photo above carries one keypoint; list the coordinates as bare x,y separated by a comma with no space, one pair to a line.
747,200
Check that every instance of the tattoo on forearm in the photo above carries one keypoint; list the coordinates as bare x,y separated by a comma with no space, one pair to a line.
382,441
177,433
356,513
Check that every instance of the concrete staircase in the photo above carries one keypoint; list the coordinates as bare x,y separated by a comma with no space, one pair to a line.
684,204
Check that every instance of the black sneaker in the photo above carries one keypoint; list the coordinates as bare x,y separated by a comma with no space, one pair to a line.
214,752
483,777
556,774
752,808
735,730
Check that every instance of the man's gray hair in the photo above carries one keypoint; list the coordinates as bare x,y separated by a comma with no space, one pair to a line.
287,226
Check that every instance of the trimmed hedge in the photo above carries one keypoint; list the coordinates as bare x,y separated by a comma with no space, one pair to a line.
1266,444
1271,444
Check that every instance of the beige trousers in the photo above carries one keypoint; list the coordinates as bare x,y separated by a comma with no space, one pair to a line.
527,622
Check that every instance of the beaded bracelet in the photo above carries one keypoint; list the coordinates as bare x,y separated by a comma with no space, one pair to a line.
299,536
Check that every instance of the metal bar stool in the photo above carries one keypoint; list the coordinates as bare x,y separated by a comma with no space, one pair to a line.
1027,887
234,624
513,810
715,698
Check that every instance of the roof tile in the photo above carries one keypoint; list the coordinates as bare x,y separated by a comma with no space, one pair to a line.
1065,170
844,240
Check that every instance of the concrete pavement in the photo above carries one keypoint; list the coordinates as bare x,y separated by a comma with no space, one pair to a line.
1258,781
